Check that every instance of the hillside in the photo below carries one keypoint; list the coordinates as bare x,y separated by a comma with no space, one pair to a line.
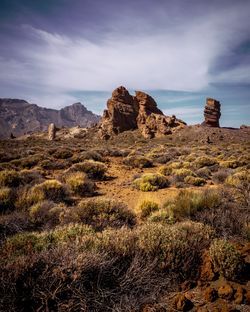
20,117
126,224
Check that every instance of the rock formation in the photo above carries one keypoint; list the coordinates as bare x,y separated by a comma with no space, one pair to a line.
212,113
52,132
125,112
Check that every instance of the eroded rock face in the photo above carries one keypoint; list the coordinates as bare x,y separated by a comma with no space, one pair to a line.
125,112
212,113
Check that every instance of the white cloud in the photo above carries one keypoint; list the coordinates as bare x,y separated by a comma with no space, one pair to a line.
52,66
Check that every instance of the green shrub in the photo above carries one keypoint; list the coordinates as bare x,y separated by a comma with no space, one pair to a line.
9,178
204,161
151,182
71,232
147,207
166,170
79,184
177,248
232,164
136,161
102,213
49,190
226,259
25,244
183,172
187,203
194,181
6,199
160,215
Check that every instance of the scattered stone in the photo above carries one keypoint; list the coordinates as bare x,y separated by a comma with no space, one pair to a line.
51,132
247,297
210,294
226,292
187,285
212,113
239,295
182,303
125,112
207,270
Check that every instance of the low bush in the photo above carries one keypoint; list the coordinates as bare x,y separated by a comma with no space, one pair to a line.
137,161
196,181
79,184
62,154
6,199
226,259
177,248
151,182
204,161
188,203
46,213
220,176
30,161
93,169
183,172
147,207
9,178
49,190
103,213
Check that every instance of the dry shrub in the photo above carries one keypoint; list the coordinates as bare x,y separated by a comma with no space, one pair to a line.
196,181
102,213
46,213
49,190
137,161
7,198
188,203
9,178
204,161
226,259
79,184
147,207
229,218
93,169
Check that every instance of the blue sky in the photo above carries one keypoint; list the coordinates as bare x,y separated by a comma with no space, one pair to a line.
57,52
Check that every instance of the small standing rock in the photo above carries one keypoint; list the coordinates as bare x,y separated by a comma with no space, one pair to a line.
51,132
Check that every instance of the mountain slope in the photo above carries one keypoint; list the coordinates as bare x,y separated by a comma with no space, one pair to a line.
20,117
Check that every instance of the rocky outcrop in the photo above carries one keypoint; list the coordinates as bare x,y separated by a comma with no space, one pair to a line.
125,112
51,132
20,117
212,113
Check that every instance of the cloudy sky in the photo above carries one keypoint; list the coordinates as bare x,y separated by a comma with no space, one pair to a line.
57,52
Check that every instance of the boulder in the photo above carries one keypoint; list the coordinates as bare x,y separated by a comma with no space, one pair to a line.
212,113
125,112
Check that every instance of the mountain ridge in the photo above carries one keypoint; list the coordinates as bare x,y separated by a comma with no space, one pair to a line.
19,117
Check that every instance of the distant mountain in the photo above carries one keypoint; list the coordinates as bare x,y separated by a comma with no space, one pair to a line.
20,117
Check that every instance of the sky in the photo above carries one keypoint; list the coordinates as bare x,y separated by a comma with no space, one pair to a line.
58,52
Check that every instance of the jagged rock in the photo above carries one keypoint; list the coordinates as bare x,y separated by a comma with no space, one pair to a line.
125,112
51,132
212,113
